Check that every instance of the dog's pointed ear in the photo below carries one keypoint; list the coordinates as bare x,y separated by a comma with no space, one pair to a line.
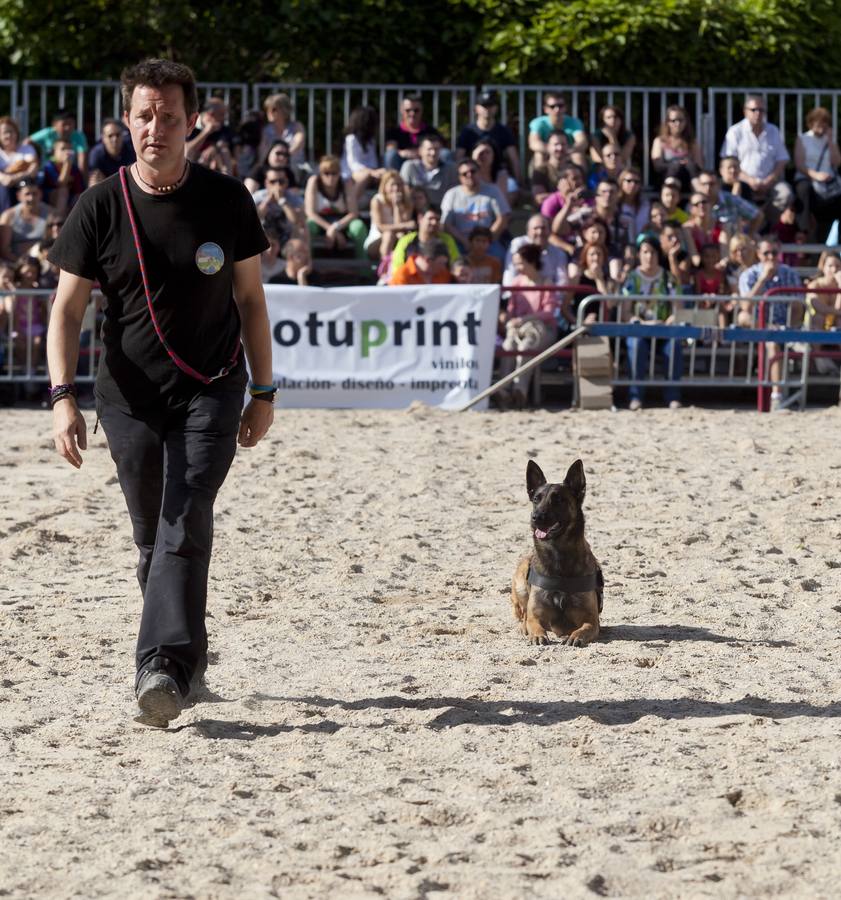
576,481
534,478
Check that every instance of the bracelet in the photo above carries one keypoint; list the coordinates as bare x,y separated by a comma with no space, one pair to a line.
60,391
261,388
264,395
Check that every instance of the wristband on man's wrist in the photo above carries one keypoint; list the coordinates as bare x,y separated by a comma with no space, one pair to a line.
262,392
60,392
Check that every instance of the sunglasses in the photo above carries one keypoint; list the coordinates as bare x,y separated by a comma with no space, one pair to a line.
759,109
768,253
677,120
556,106
465,172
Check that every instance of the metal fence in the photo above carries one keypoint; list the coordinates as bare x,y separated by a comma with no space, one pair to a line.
644,109
713,356
324,108
93,101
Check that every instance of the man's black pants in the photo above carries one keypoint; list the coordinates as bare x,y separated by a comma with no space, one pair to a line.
171,462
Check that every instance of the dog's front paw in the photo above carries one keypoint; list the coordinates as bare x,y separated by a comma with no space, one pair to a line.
539,638
570,640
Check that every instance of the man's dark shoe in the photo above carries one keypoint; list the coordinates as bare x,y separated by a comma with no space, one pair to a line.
158,695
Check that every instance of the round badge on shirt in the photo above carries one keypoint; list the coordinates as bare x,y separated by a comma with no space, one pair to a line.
210,258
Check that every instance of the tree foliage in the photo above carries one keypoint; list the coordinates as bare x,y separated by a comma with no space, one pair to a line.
658,42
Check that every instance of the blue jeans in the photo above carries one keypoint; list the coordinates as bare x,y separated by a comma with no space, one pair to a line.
170,463
639,357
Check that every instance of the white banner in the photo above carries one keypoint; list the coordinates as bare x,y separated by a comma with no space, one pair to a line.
382,347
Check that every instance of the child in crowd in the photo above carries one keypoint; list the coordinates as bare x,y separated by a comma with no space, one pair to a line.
462,273
63,182
823,311
486,269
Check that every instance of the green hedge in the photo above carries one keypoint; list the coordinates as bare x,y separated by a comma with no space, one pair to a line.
780,43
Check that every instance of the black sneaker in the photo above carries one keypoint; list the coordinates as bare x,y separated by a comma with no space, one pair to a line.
158,695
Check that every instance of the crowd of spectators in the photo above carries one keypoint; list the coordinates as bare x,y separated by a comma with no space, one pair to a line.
415,213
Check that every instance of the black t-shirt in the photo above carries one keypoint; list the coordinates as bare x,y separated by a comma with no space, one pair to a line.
190,240
499,134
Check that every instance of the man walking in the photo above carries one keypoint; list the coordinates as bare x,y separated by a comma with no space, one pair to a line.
176,251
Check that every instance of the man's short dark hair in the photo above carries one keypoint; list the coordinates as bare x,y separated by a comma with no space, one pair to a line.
433,208
62,115
480,231
157,73
109,121
433,249
431,136
556,132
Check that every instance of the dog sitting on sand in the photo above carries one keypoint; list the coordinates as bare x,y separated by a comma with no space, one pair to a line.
558,587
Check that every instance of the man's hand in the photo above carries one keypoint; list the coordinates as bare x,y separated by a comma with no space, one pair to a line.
256,420
69,431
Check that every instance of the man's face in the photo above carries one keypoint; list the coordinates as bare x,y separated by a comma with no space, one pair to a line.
537,231
467,175
64,127
754,111
112,139
605,194
412,113
216,112
555,108
62,151
29,196
557,148
729,171
430,153
486,112
768,253
430,222
158,124
707,185
479,245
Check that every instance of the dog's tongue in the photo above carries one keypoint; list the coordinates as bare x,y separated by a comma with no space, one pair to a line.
540,535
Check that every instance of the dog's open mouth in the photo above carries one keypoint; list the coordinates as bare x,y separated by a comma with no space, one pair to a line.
542,535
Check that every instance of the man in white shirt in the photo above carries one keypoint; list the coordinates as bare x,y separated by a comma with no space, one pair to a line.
554,260
762,157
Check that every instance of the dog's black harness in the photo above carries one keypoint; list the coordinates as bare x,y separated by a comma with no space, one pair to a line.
574,584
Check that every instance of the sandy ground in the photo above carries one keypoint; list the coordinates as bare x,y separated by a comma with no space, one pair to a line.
374,725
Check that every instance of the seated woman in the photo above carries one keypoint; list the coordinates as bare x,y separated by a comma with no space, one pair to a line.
360,163
277,157
650,279
823,311
17,161
593,274
281,126
612,130
817,184
392,216
491,172
675,152
701,227
331,208
529,319
633,206
28,314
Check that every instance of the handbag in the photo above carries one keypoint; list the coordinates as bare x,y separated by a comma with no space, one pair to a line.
186,368
827,190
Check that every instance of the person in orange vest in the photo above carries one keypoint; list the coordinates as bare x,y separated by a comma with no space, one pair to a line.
430,265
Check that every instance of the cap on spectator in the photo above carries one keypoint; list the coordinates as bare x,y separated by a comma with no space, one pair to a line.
433,249
671,181
487,98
